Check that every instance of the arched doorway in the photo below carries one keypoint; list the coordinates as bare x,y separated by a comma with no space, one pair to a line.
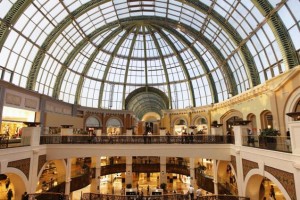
92,124
201,125
230,122
114,126
14,182
266,118
229,118
227,178
259,186
252,125
51,175
180,126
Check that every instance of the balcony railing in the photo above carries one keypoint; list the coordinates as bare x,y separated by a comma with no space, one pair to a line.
276,143
201,139
92,196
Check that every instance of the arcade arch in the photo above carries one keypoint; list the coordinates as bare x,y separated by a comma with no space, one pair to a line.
266,119
252,125
228,119
114,126
226,175
51,171
180,126
201,124
258,186
292,105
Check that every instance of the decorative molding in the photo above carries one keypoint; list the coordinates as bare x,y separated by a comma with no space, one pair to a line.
248,165
23,165
13,99
286,179
31,103
42,161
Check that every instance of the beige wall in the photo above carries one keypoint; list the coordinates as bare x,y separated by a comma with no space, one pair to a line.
56,120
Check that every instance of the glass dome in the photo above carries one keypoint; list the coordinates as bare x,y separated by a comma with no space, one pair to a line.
96,52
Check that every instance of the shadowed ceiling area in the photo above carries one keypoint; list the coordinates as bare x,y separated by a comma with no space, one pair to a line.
96,53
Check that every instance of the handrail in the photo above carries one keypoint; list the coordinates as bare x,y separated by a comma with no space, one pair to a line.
134,139
276,143
90,196
143,168
48,195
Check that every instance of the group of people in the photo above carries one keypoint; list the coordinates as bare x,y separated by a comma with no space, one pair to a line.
191,192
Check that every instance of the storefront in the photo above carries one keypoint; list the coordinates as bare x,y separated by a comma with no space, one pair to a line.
13,121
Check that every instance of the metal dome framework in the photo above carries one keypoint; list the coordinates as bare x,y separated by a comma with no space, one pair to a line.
95,53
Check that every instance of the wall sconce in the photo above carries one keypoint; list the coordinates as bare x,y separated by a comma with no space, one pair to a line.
269,126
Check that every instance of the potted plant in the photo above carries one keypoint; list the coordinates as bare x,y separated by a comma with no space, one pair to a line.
267,138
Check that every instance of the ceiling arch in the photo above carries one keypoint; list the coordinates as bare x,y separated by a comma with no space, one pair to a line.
147,99
196,52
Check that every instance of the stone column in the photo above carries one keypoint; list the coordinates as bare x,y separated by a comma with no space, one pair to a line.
128,178
239,173
192,172
294,127
33,175
215,175
68,176
216,130
239,132
95,185
162,132
163,170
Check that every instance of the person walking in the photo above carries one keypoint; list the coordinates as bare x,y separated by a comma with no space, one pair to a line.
272,192
191,192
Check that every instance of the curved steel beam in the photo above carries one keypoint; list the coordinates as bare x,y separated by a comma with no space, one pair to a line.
286,46
72,55
93,3
127,65
182,64
91,60
11,17
233,34
164,66
144,98
128,31
31,81
207,43
205,68
151,90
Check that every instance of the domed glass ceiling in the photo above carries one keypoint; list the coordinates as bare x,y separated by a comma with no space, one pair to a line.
96,52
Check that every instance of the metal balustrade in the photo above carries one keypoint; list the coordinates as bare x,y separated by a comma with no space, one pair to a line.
276,143
93,196
201,139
